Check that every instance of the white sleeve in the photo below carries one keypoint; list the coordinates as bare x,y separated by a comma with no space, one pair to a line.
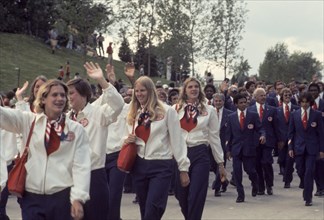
81,169
214,140
178,144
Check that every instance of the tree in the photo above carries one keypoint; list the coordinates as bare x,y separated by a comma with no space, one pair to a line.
85,17
125,53
240,72
173,33
226,21
302,66
274,66
278,64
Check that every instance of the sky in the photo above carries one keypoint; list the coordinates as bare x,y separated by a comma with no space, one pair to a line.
297,23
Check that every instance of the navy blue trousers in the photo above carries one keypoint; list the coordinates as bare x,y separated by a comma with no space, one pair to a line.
46,207
152,180
115,179
305,165
264,167
5,194
319,174
192,198
249,168
98,205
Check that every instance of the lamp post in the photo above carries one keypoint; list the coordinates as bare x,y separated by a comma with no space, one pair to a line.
18,76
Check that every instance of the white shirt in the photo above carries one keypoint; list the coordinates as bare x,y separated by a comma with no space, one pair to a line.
165,140
3,165
205,132
95,119
116,131
69,166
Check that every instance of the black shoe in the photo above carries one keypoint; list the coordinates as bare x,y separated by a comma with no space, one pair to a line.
269,191
308,203
239,199
213,185
287,185
319,193
224,186
126,190
260,193
4,217
254,191
217,193
135,201
301,185
232,182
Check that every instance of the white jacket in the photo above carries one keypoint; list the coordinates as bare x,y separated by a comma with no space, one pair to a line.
165,140
95,119
205,132
69,166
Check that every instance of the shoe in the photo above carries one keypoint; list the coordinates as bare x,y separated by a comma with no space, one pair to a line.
239,199
287,185
217,193
213,185
301,185
4,217
224,186
269,191
308,203
232,182
260,193
255,191
126,191
319,193
135,201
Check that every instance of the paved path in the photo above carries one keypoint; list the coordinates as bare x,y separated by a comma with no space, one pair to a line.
284,204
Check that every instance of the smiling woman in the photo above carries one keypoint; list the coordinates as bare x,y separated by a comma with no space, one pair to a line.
58,147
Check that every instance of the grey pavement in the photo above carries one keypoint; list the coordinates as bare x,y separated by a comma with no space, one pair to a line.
283,204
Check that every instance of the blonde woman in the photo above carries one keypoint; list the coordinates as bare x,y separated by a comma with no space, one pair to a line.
158,138
200,128
58,166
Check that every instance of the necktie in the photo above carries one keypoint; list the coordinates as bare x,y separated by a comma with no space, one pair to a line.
242,120
217,113
261,113
48,133
304,120
287,113
314,106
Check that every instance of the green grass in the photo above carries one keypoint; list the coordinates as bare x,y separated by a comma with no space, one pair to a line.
33,57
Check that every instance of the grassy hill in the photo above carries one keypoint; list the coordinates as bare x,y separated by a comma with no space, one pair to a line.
33,57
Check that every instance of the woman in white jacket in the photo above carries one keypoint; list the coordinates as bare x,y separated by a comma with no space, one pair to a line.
158,138
200,128
58,166
95,118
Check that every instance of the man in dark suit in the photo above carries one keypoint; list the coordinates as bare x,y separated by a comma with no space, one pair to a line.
264,159
318,105
306,142
284,112
222,114
241,145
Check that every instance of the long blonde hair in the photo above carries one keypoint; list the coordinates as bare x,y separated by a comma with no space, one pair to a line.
43,92
183,96
154,106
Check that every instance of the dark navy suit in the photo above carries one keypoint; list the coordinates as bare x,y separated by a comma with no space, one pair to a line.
319,165
222,135
286,162
306,144
242,146
264,159
229,104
